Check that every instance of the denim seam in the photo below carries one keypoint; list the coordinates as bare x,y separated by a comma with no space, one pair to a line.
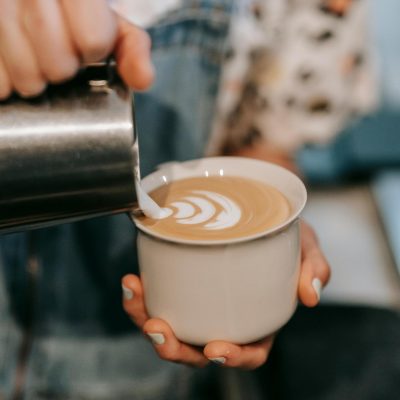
211,44
221,17
214,57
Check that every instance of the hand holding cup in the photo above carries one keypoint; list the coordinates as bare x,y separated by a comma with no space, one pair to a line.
314,275
227,293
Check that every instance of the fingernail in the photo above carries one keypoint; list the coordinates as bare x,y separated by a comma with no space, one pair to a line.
156,338
128,293
317,285
218,360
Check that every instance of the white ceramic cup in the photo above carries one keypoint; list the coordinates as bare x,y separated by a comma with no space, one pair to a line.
238,290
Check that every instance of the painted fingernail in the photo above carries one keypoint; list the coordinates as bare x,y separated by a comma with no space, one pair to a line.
128,293
218,360
156,338
317,285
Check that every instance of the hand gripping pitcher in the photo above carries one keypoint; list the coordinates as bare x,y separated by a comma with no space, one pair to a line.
69,154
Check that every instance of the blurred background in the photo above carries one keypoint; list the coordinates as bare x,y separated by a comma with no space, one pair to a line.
357,213
349,346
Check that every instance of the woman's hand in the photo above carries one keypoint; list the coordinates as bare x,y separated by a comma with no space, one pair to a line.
47,41
170,348
315,271
314,275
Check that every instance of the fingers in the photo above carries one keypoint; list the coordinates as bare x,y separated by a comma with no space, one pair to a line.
18,56
315,270
165,342
93,28
48,33
249,356
46,40
169,347
133,56
133,301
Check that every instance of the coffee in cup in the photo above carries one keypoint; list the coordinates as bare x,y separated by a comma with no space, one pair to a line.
239,285
217,208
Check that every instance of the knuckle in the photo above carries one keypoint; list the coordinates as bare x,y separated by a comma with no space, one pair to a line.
168,354
62,72
163,356
95,46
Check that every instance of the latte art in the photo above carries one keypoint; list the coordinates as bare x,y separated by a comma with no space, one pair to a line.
203,208
216,208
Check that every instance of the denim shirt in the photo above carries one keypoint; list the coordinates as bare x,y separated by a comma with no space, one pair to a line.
63,333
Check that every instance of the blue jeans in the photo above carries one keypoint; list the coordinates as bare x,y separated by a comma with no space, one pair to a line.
62,328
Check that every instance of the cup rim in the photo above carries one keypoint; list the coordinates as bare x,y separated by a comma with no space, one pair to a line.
267,232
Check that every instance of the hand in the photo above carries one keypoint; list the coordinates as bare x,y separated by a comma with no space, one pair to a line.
314,274
315,270
47,41
170,348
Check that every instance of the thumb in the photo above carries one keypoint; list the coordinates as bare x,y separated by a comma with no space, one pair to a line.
133,55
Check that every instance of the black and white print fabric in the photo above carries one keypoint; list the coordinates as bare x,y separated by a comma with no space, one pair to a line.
296,71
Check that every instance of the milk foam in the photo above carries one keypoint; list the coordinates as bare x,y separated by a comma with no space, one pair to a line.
215,208
200,208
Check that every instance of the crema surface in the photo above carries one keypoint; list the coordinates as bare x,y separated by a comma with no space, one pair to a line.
217,208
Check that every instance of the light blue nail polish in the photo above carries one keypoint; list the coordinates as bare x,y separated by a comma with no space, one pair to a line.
128,293
317,285
156,338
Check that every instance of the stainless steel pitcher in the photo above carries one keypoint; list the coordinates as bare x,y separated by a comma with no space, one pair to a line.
69,154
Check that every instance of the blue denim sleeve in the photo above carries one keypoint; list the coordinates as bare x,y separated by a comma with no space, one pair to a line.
61,321
175,116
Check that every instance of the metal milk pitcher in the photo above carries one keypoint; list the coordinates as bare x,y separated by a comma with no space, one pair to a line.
69,154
